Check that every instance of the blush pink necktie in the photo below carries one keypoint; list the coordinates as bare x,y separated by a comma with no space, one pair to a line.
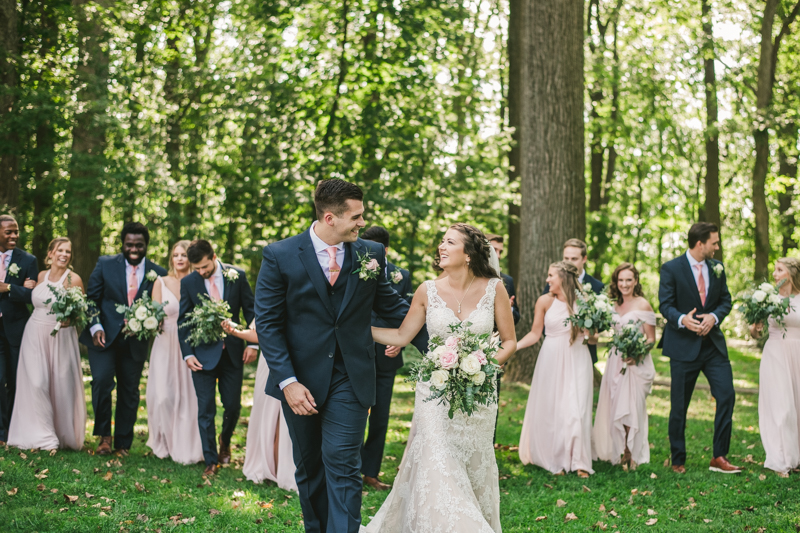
133,286
701,284
333,266
213,291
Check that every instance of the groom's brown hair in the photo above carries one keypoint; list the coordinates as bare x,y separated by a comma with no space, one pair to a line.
332,194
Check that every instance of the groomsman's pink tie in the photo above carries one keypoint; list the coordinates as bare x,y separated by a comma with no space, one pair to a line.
333,266
133,286
701,284
213,291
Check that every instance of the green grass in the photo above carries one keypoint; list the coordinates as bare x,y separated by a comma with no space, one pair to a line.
168,494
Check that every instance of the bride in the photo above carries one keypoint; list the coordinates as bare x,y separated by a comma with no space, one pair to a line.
448,480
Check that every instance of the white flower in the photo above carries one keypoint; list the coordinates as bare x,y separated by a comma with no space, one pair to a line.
775,299
150,323
434,355
134,325
470,365
151,276
439,379
587,287
479,378
141,312
718,269
231,274
397,277
13,270
768,288
122,309
588,323
759,296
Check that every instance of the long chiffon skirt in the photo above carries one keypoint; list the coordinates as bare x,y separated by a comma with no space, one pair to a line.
779,400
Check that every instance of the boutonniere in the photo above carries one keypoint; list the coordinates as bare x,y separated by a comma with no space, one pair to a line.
13,270
151,276
397,277
717,269
369,267
230,274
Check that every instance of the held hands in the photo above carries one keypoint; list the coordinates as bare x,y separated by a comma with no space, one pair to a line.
708,322
193,364
29,284
691,323
299,399
250,355
99,338
393,351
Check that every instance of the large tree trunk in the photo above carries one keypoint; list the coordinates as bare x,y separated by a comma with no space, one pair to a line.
9,55
712,210
787,169
549,114
515,70
87,167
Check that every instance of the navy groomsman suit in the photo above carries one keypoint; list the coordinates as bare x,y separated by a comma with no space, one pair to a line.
122,357
597,288
14,310
222,361
508,282
385,370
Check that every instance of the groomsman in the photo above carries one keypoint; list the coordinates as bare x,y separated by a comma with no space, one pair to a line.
574,251
694,299
497,243
221,361
388,359
118,280
18,274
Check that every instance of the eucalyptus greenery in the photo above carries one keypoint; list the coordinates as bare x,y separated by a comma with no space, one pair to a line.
630,342
205,321
70,305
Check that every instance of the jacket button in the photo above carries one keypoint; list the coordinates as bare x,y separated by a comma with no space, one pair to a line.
337,327
330,355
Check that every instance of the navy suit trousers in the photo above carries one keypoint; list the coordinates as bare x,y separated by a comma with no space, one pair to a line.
9,360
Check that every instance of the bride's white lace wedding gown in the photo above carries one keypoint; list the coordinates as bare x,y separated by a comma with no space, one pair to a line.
448,479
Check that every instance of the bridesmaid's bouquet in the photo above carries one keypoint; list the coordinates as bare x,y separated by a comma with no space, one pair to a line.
594,311
460,369
70,305
764,302
143,319
631,343
205,321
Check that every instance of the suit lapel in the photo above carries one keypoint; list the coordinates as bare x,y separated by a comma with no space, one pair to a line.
226,285
15,253
309,259
712,280
687,270
123,275
142,286
352,279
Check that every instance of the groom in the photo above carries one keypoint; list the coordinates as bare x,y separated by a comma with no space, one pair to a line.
313,321
695,300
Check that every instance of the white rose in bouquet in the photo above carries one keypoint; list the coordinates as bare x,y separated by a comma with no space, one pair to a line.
759,296
479,378
471,365
436,353
775,299
141,312
587,287
135,326
439,379
150,323
768,288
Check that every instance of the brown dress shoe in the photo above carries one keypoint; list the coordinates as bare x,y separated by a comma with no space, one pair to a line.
679,469
721,465
376,483
224,453
104,448
211,470
122,452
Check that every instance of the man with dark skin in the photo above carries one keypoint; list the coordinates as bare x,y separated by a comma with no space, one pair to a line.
18,272
117,360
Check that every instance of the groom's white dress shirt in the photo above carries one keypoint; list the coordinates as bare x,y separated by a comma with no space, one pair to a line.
697,273
321,251
139,278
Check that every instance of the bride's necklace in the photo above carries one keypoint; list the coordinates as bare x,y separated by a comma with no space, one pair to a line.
465,292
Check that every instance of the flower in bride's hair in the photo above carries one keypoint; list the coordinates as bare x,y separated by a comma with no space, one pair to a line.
448,359
480,356
141,312
439,379
470,365
150,323
134,325
451,342
479,378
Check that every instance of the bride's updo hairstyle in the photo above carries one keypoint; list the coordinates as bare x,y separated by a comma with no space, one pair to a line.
792,264
613,289
568,274
477,248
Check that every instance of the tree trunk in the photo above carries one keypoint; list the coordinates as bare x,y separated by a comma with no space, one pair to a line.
549,114
787,169
9,55
712,210
515,70
87,167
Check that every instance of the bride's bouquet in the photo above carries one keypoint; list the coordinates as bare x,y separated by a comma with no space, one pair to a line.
205,321
460,369
594,311
763,302
143,319
631,343
70,305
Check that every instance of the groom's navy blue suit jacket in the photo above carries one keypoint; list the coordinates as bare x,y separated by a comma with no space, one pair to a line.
678,295
299,328
14,304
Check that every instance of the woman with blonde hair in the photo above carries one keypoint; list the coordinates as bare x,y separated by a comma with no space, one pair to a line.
557,430
50,406
171,399
779,377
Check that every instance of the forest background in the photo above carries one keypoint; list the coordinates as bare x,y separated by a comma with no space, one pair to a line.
621,122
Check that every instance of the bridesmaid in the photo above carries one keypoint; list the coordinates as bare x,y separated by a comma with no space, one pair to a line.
171,400
620,423
779,386
557,430
268,452
50,406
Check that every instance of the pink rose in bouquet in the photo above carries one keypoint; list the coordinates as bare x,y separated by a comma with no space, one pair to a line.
448,359
451,342
480,356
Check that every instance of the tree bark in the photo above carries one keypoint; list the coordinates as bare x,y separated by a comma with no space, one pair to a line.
515,72
712,210
549,111
87,166
787,170
9,140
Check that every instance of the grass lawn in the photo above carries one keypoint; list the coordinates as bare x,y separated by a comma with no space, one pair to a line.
76,491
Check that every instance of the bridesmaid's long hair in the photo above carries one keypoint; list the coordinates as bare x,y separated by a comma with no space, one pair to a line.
568,274
792,264
52,246
613,290
477,248
185,246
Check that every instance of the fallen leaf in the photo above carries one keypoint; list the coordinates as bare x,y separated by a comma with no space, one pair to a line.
23,456
259,521
139,486
653,476
570,517
540,518
737,512
213,512
751,446
89,496
601,526
706,520
165,480
108,476
40,476
40,487
666,462
560,503
142,518
634,492
651,522
235,504
12,491
651,512
53,452
70,499
238,494
102,513
762,477
548,486
76,471
53,490
188,520
586,489
141,470
602,508
613,513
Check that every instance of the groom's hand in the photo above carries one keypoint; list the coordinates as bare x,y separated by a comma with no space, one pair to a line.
708,322
299,399
249,355
392,351
691,323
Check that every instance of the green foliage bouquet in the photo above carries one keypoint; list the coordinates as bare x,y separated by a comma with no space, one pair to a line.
205,321
594,313
460,369
144,318
70,305
761,303
631,343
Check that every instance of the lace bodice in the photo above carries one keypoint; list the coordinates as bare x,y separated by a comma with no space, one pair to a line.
440,317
